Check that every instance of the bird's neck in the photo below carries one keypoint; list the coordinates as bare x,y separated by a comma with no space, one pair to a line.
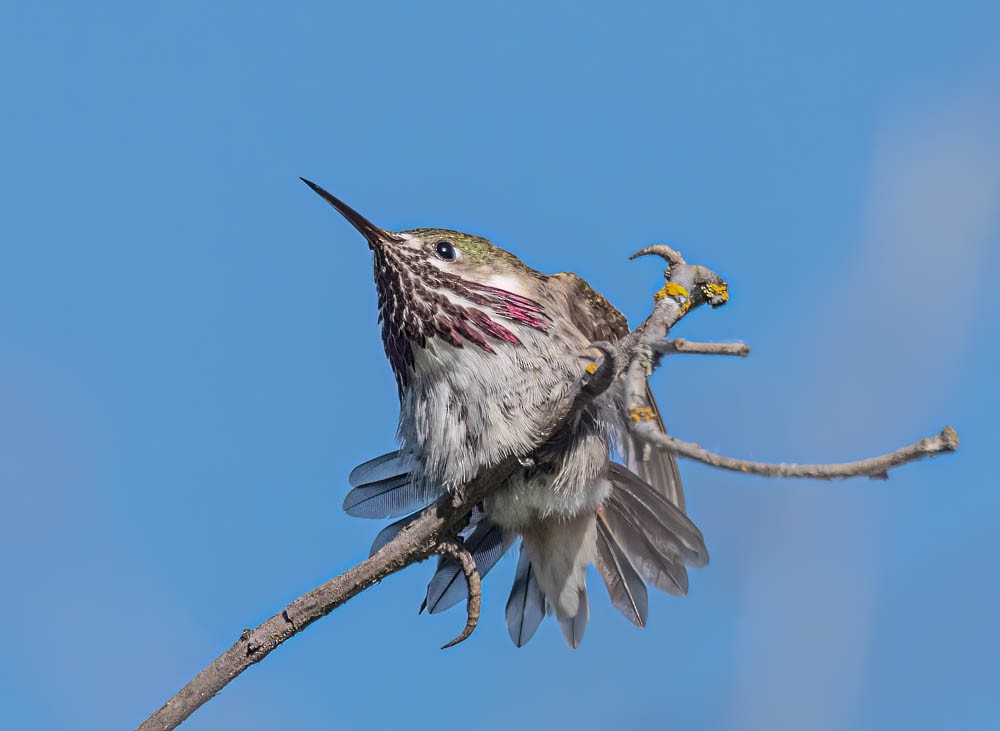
420,304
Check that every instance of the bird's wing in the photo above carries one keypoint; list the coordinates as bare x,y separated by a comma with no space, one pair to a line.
597,319
658,467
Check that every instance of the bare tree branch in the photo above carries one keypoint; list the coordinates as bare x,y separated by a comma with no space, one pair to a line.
688,287
876,468
432,532
415,543
680,345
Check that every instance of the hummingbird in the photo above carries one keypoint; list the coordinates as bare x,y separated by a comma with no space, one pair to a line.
481,346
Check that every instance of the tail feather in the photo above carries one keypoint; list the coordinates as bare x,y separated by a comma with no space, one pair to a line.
625,586
664,570
448,586
560,550
381,468
388,498
526,605
574,627
663,520
640,534
383,488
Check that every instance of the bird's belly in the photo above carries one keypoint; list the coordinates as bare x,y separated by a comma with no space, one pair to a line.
467,409
524,502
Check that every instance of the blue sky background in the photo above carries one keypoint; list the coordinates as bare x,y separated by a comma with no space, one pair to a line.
190,363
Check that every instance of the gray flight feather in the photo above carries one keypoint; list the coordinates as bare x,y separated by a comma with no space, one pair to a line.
655,530
643,501
448,586
574,627
385,499
625,586
657,562
656,536
526,605
381,468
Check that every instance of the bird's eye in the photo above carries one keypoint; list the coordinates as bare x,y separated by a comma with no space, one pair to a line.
445,250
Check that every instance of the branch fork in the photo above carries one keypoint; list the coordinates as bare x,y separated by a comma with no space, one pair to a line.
673,303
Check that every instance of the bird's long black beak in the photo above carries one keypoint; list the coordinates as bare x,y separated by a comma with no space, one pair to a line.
369,230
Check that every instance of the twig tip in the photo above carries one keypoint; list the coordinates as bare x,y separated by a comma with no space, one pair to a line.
670,255
950,438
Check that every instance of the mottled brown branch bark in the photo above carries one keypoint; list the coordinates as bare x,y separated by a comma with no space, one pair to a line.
632,358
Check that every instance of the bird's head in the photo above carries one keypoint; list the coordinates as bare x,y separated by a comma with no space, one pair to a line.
434,283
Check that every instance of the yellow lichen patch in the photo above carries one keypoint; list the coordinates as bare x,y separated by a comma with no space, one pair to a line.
591,369
641,413
671,289
713,290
